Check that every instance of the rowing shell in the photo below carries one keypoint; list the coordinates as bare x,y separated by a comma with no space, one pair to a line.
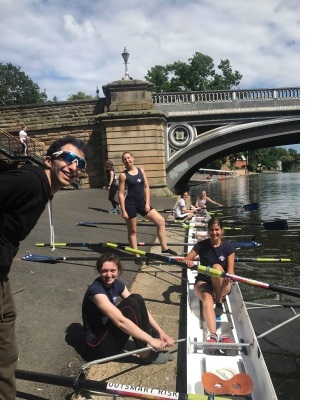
244,356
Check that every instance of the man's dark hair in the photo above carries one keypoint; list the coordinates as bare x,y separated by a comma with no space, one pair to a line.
69,139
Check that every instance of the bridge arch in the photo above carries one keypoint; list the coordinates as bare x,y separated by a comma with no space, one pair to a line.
225,140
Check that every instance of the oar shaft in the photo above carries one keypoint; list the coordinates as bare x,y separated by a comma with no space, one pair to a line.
217,273
118,389
206,270
176,225
83,244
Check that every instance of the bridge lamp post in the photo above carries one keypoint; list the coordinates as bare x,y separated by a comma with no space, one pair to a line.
125,56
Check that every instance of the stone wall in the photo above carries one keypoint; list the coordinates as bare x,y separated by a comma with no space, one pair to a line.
125,120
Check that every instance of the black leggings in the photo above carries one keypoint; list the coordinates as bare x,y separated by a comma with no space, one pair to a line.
112,192
112,339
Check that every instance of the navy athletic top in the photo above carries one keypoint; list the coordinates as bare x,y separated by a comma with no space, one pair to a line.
93,319
209,255
135,186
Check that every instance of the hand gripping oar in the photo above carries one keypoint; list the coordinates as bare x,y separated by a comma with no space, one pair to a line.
109,388
170,224
240,384
206,270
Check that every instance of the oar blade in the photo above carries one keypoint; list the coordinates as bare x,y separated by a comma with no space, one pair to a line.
246,244
255,206
38,258
93,224
279,225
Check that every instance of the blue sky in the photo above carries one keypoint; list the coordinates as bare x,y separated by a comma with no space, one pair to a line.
74,45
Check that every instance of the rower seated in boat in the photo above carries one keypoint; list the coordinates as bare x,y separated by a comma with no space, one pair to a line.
203,199
218,254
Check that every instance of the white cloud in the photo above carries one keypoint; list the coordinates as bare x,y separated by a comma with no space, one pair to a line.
70,46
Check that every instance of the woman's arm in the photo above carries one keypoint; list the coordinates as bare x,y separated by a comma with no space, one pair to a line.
189,259
121,193
230,263
213,202
146,191
164,337
111,177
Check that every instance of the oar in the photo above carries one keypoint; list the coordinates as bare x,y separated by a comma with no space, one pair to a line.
178,225
109,388
206,270
217,273
65,244
277,225
237,259
254,206
50,259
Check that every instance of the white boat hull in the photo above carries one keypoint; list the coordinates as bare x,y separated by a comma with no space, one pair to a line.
245,357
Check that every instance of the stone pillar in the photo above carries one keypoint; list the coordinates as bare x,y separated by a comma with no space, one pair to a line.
132,123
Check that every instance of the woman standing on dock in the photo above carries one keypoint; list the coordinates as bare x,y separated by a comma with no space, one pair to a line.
137,201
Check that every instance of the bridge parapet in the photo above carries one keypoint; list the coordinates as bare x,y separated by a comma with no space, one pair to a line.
190,97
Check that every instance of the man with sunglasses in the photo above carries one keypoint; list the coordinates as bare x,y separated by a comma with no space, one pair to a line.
24,193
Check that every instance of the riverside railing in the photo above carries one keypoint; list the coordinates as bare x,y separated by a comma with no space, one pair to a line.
190,97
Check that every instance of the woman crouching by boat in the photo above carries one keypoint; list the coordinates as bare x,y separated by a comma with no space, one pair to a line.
107,327
218,254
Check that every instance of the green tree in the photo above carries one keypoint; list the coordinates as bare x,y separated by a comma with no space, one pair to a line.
197,75
79,96
16,88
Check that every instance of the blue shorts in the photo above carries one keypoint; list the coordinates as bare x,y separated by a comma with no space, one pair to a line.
132,210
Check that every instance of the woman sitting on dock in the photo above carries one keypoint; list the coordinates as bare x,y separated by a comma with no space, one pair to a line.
107,327
218,254
182,213
203,199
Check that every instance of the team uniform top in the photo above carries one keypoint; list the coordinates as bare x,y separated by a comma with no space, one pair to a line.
210,255
135,188
93,319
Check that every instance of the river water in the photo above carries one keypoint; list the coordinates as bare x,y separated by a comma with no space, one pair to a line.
278,195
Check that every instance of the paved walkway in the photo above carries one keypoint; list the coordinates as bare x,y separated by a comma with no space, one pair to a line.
49,295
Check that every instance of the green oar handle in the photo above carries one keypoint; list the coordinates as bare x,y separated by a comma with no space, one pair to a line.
217,273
